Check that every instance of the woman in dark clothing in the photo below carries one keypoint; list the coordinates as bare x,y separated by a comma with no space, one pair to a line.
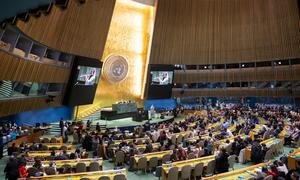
11,169
222,164
257,154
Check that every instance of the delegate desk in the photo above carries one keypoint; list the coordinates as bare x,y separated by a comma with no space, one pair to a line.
77,176
58,139
140,140
191,162
148,156
268,143
243,173
72,162
46,153
53,145
293,159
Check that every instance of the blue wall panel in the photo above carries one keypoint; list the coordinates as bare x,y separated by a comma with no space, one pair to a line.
41,116
161,104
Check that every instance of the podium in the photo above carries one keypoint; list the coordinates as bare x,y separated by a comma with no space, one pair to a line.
120,110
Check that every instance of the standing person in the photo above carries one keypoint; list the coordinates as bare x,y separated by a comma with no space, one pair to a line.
64,134
222,164
61,125
1,145
11,169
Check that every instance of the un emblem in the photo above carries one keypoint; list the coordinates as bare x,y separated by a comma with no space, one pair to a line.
115,69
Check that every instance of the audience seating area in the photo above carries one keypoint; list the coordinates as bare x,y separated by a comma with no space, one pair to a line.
231,143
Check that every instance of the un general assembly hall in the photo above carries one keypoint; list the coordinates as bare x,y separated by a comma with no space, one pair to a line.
150,90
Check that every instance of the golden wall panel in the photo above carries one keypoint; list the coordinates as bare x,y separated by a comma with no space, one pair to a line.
128,36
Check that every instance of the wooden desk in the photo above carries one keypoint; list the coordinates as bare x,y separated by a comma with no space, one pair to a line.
293,158
284,133
72,162
51,145
180,164
244,173
58,139
28,138
77,176
159,155
46,153
268,143
131,140
183,133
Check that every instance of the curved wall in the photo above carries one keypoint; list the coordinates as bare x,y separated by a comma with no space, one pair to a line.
80,29
219,31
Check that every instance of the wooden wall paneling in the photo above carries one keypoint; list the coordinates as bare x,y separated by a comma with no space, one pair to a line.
236,75
9,107
216,32
17,69
80,29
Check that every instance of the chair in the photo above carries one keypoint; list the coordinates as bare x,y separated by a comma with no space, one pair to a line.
32,171
120,177
80,167
142,164
139,142
45,140
173,139
172,147
50,171
53,140
37,140
153,162
44,147
67,168
191,156
104,178
179,139
142,149
94,166
231,161
120,157
186,172
64,148
242,156
210,168
198,171
173,173
270,177
268,155
166,158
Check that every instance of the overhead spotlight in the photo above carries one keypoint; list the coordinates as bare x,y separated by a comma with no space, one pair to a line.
205,67
243,65
279,62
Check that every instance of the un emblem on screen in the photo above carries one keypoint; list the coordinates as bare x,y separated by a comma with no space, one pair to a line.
115,68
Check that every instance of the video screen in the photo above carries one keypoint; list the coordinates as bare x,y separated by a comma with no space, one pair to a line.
161,77
87,76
